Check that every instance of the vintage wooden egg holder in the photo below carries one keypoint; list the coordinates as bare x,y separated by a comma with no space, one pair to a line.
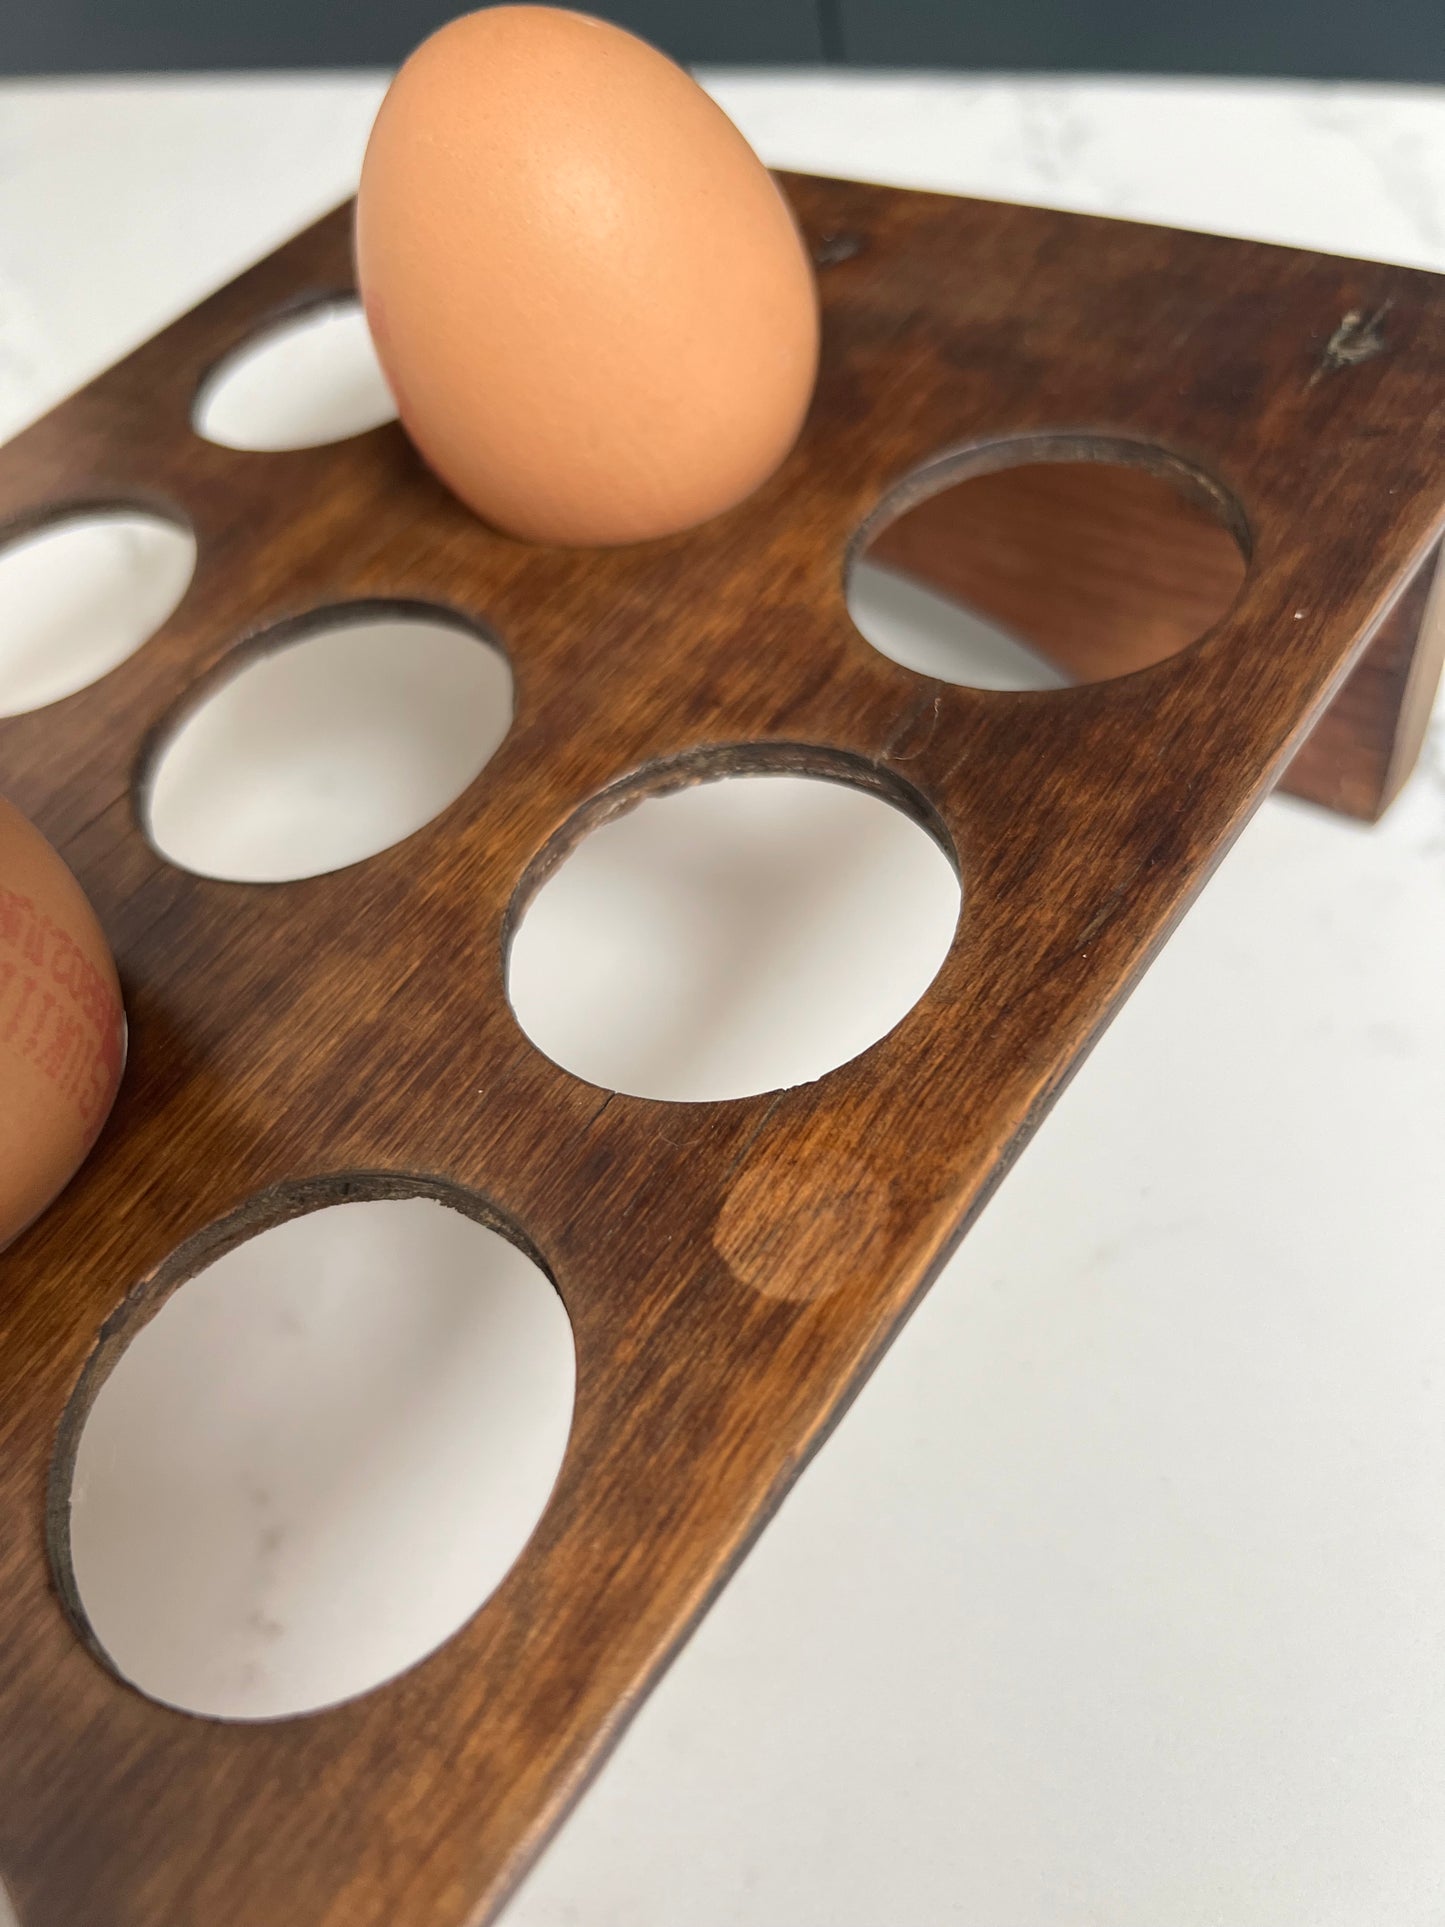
732,1270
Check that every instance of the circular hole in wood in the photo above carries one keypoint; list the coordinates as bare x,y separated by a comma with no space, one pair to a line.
1054,563
333,739
79,593
306,378
319,1458
733,936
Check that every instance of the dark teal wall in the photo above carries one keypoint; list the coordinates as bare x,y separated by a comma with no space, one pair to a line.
112,36
1314,39
1367,39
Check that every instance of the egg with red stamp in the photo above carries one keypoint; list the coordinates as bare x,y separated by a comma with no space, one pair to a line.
62,1025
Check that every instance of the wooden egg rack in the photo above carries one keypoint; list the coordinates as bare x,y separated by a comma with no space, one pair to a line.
732,1270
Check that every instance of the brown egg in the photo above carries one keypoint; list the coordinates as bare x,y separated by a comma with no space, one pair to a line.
590,299
62,1029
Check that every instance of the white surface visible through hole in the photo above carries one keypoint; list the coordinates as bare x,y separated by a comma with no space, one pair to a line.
928,633
319,1458
80,594
308,378
736,937
336,744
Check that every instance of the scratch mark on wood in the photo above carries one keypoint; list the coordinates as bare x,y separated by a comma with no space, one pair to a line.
1358,338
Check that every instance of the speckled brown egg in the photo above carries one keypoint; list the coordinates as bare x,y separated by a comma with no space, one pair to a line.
589,296
62,1029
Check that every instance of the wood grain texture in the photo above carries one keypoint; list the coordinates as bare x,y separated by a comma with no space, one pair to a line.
350,1035
1099,568
1359,753
1102,570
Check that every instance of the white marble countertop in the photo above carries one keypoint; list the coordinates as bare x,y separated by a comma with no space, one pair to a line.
1118,1600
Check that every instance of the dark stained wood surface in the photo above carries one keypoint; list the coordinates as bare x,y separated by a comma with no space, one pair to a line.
1359,753
1102,570
732,1270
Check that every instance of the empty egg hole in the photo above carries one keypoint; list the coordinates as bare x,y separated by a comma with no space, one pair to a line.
304,378
321,1455
82,589
325,741
1051,571
737,922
